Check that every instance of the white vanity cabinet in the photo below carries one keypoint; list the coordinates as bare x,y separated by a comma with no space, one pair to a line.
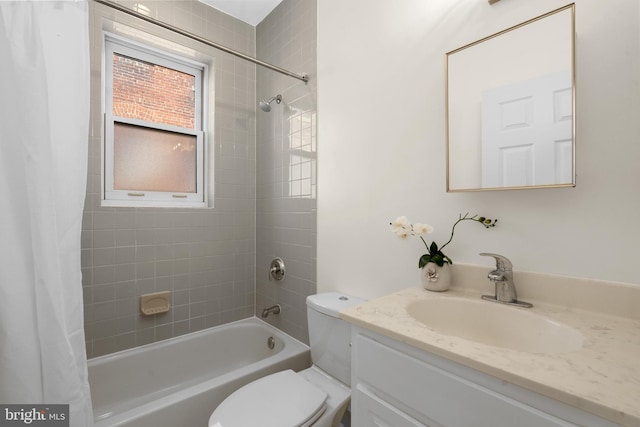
397,385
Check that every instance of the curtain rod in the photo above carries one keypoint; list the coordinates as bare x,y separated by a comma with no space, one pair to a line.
303,77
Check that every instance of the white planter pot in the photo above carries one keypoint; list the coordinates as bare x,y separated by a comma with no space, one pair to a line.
435,278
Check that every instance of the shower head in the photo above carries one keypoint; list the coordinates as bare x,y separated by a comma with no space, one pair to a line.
265,105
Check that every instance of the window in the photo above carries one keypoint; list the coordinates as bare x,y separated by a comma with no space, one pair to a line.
302,155
153,145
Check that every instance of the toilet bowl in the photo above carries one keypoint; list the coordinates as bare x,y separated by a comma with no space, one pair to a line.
317,396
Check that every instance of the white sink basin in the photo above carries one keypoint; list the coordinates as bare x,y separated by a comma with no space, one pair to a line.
496,324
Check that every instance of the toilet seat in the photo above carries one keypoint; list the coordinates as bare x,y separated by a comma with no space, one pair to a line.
283,399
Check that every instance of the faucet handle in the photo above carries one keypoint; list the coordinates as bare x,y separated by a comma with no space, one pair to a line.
502,262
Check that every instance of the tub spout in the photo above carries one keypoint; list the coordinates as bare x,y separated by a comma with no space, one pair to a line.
271,310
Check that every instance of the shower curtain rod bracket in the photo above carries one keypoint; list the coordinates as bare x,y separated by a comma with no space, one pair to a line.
124,9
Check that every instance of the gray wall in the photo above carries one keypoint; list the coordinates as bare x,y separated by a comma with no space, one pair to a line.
215,261
286,164
206,257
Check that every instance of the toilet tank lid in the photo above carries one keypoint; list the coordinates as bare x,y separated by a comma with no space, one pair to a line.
330,303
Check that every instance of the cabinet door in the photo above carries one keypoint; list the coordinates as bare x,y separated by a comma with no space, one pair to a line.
375,412
435,394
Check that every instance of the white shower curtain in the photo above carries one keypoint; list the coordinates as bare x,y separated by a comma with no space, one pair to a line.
44,123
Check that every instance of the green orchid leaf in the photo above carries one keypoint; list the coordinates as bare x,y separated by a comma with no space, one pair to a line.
424,260
433,249
438,259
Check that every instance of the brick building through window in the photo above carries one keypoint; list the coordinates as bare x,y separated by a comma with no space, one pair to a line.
152,92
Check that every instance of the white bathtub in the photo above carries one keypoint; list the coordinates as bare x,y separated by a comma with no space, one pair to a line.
180,381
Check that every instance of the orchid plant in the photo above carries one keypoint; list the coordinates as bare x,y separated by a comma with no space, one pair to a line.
403,229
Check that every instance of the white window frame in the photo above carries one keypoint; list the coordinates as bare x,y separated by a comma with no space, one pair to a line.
133,198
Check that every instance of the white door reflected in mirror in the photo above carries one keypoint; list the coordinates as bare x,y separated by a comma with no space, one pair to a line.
526,132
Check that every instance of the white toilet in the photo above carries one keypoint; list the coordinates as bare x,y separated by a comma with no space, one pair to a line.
317,396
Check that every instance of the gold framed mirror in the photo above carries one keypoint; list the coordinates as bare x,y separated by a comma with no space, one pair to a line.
510,107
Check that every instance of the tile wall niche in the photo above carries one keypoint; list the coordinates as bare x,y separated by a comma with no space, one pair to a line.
286,147
206,257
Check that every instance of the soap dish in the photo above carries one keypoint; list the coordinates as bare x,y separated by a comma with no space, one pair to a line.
155,303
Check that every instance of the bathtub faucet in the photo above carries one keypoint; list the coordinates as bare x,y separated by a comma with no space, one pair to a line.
271,310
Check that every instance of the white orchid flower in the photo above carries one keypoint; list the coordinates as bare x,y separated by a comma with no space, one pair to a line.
403,233
399,225
419,228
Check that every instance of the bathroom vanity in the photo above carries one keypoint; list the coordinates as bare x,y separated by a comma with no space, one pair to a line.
400,386
408,372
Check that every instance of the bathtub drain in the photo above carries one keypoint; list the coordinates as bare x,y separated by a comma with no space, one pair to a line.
271,343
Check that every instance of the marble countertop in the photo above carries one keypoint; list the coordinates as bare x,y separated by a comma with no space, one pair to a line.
602,378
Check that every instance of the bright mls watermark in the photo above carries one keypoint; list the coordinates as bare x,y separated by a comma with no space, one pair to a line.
34,415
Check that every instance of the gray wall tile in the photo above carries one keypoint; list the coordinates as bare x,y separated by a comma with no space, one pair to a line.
130,251
215,261
284,213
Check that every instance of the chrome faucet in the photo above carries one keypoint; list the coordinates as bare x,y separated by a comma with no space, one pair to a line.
271,310
502,276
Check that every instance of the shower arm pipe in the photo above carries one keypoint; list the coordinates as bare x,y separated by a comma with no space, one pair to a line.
124,9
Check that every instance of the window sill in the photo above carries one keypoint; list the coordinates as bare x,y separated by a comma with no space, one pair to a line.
151,204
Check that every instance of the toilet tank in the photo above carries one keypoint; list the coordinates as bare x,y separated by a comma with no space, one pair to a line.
329,336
